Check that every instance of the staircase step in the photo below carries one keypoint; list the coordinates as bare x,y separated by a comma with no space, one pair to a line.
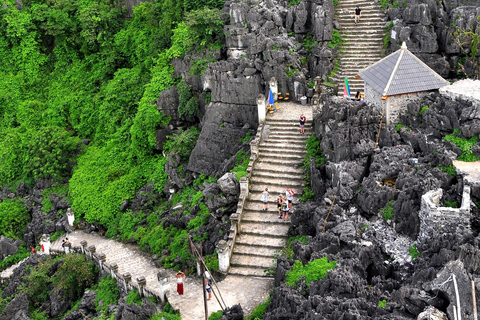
256,190
269,145
255,251
270,216
265,168
283,150
264,230
259,241
240,260
248,272
266,182
299,139
276,175
284,156
293,163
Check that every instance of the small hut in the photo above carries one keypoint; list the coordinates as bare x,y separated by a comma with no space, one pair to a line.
398,79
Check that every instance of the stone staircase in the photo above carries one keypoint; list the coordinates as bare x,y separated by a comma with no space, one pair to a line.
363,43
278,167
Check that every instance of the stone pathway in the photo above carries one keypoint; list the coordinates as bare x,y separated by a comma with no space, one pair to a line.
471,170
363,43
129,258
278,167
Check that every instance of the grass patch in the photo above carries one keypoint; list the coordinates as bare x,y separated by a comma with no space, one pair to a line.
450,204
387,211
312,271
382,303
413,251
465,145
450,170
399,127
425,108
242,158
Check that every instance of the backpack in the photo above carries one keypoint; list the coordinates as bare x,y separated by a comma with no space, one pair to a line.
291,192
285,206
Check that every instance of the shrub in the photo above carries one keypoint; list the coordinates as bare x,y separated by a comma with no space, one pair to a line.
450,203
293,3
382,303
465,145
216,315
14,218
309,43
182,143
386,40
312,271
336,39
107,292
387,211
241,164
365,227
14,258
134,297
413,251
399,127
425,108
211,261
450,170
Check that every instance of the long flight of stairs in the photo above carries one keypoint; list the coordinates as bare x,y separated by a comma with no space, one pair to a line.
363,43
278,167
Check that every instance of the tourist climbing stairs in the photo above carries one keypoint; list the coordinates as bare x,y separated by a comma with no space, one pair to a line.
279,166
363,42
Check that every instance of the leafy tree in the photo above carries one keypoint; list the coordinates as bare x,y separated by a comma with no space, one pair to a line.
14,218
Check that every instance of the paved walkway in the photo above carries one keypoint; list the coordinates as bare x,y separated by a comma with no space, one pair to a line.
470,169
249,292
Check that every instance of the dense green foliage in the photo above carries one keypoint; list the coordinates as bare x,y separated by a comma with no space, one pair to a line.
107,293
72,277
312,271
313,151
134,297
14,258
13,218
465,145
216,315
382,303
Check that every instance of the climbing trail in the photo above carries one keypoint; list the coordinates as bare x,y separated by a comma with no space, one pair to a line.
278,167
363,43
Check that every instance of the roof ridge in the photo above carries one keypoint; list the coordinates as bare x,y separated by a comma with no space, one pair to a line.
358,73
393,71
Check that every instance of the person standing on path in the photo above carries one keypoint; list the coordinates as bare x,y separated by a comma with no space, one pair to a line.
180,278
264,198
208,283
289,194
357,15
285,209
279,205
303,119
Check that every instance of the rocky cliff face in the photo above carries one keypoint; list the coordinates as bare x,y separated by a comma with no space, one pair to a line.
437,31
376,276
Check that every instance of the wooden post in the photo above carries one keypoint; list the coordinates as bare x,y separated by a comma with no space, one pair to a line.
325,221
475,315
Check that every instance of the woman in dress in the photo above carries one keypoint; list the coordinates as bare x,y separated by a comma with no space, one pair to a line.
180,278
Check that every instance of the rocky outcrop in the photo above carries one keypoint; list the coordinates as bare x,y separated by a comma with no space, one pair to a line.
17,309
434,31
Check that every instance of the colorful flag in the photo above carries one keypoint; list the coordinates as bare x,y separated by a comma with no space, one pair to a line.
347,87
270,98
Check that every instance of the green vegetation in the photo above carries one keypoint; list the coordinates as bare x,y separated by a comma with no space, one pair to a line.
72,276
134,297
313,151
386,41
382,303
465,145
399,127
309,43
14,258
365,227
450,170
450,203
425,108
259,310
336,67
387,211
389,26
187,104
14,218
337,40
336,3
312,271
293,3
241,164
107,293
414,251
216,315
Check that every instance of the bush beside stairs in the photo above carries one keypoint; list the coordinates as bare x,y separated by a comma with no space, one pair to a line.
279,166
362,43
